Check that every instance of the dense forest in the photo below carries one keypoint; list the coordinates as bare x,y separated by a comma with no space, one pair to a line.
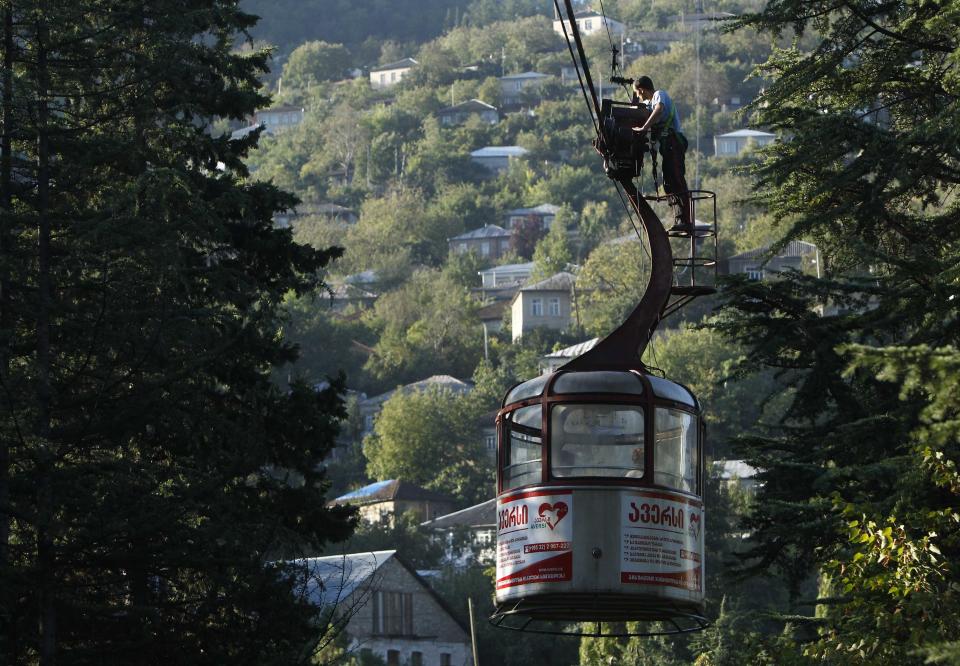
199,304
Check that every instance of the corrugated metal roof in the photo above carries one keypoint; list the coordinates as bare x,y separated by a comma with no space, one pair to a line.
467,106
499,151
400,64
524,75
574,351
489,231
562,281
794,248
391,490
478,515
330,580
542,209
745,133
526,267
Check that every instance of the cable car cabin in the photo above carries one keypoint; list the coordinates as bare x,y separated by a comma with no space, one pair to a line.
600,512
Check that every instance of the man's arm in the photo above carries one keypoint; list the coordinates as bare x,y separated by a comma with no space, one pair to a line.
654,116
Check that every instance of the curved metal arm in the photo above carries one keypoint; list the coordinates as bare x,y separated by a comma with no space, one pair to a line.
624,347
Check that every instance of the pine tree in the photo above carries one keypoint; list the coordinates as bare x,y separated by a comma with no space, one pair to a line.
866,167
152,478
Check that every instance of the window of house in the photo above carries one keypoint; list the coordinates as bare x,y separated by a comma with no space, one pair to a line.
392,613
754,272
393,76
393,657
416,658
491,442
536,307
588,25
553,307
485,249
462,248
446,659
383,78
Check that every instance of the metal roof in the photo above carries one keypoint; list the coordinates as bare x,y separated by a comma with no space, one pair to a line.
745,133
524,75
500,151
488,231
524,268
478,515
469,105
330,580
542,209
406,63
574,350
562,281
440,381
795,248
391,490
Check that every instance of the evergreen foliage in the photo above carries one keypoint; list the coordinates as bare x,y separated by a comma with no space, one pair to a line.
152,477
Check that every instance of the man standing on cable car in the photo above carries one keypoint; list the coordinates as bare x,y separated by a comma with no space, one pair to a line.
664,121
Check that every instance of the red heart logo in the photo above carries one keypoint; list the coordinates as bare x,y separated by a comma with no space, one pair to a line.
553,514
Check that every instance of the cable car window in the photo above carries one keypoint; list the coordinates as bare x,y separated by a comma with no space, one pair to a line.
675,458
523,456
596,440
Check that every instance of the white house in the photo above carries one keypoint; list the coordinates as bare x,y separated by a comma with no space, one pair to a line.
386,609
734,143
513,85
392,73
546,304
497,158
383,501
279,118
590,22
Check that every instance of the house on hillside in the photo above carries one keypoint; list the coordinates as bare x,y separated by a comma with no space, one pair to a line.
497,158
759,265
734,143
329,212
279,118
513,86
656,41
502,282
737,474
386,609
551,362
343,295
468,535
370,407
590,22
544,214
489,242
392,73
459,113
383,501
550,303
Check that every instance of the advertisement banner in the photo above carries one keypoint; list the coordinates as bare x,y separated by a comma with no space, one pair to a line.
661,540
534,535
